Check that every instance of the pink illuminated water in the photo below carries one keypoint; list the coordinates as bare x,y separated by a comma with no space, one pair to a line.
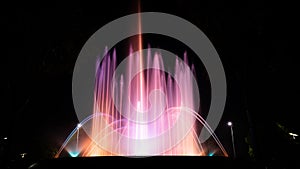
136,113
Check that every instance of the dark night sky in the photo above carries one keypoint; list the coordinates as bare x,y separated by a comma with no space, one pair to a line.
255,41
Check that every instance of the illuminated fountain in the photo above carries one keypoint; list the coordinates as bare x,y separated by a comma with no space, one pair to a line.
142,113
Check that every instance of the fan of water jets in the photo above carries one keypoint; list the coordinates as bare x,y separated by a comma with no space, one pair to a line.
141,110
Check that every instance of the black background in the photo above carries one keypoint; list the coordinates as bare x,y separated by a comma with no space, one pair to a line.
256,42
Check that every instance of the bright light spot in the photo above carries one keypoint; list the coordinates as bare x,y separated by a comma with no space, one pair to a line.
211,154
74,154
293,134
33,165
5,138
229,123
23,155
79,125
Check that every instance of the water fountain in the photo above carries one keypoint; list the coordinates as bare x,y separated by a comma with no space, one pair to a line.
142,113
